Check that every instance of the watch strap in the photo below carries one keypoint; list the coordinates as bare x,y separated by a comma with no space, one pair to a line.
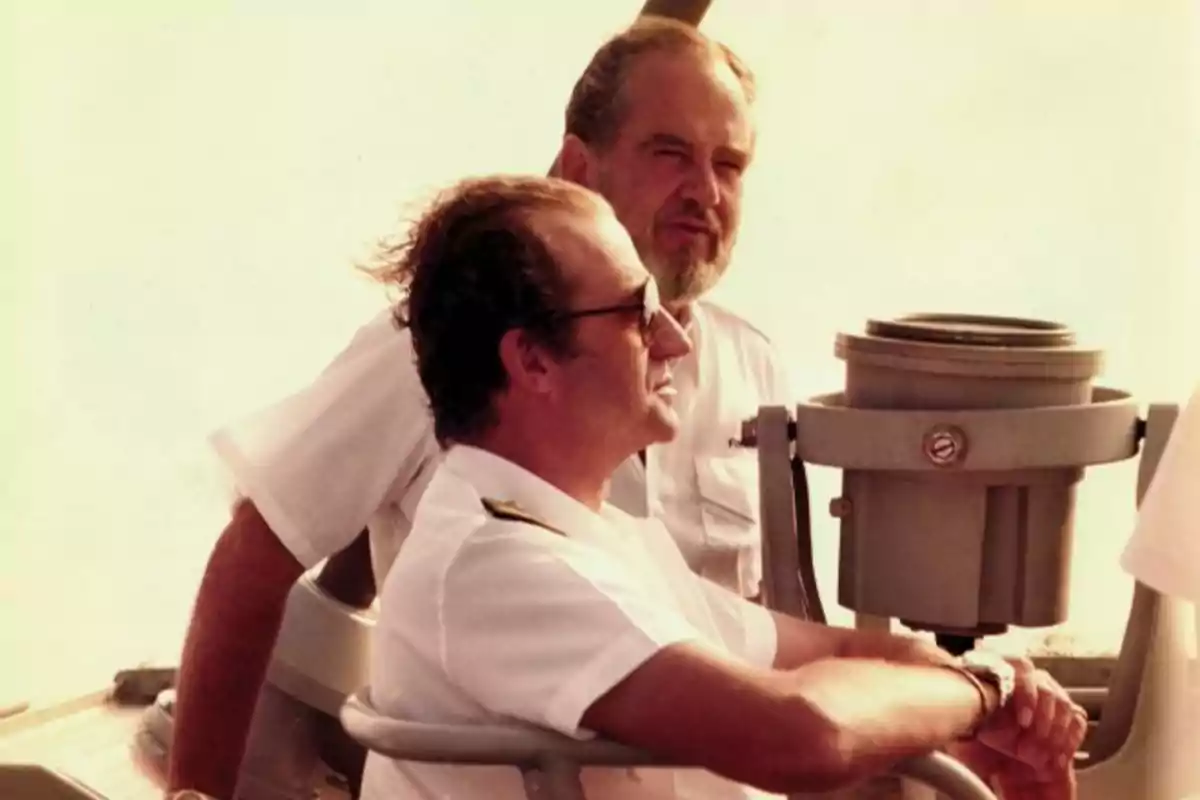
985,670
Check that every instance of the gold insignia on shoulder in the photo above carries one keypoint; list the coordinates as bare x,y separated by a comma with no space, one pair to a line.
501,509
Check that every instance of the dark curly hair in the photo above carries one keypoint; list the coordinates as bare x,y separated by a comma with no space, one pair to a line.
469,270
596,109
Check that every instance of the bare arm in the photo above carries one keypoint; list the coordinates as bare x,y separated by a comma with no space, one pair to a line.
347,576
801,642
823,726
234,625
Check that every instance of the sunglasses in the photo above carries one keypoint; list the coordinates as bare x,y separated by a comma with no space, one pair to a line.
647,304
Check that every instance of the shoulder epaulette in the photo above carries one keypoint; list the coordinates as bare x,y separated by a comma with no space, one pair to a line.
501,509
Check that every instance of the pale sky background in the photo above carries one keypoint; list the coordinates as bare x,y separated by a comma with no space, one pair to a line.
193,182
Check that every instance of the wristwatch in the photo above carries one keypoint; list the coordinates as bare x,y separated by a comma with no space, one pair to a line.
988,669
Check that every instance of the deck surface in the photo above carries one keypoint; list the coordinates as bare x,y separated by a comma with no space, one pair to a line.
93,745
95,742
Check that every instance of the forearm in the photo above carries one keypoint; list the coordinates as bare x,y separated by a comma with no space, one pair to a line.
348,577
899,649
880,713
801,642
236,620
822,727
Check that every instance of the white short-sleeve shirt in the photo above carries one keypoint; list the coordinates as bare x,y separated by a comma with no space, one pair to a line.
353,449
704,488
356,449
1164,550
494,621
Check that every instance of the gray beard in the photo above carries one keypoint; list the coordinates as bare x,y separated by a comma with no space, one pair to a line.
687,282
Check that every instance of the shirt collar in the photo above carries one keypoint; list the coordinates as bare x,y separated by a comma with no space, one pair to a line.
689,316
695,330
500,479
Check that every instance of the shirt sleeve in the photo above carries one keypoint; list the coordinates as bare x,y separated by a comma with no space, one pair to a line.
319,463
1164,550
748,628
537,627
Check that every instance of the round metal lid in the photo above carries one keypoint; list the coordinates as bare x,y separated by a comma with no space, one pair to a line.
973,330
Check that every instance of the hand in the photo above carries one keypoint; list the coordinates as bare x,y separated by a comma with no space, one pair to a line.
1027,749
1015,780
1040,726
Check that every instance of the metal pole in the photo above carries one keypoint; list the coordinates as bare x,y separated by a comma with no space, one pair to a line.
689,11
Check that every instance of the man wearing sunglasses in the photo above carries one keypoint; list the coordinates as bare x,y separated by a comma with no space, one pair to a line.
521,596
660,125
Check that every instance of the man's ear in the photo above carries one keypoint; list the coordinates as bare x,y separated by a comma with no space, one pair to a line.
576,162
528,364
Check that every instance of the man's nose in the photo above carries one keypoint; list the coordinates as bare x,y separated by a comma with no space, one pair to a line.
702,186
668,339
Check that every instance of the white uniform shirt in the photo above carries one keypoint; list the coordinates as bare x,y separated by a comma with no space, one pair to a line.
1164,554
495,621
356,449
1164,551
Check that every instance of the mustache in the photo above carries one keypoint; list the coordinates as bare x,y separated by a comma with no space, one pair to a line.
691,212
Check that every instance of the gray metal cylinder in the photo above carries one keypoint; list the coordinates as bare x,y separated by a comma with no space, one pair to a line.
948,545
